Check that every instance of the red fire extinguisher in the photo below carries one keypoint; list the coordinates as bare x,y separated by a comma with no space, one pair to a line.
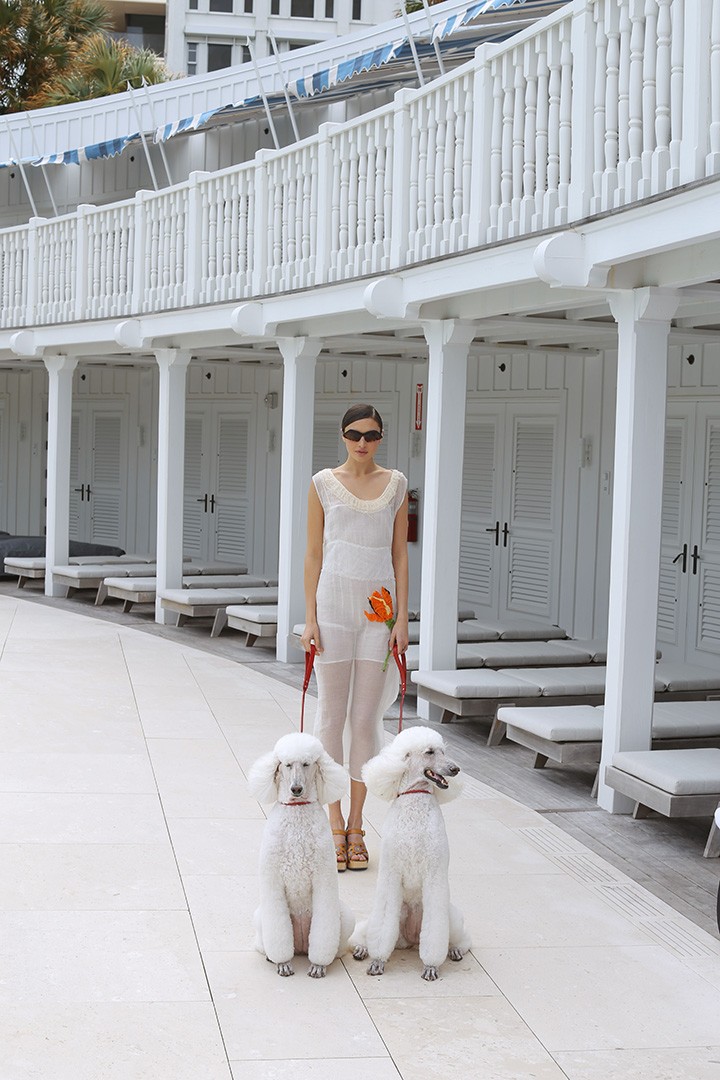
413,513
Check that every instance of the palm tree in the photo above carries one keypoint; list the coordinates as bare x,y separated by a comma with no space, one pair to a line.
102,66
57,51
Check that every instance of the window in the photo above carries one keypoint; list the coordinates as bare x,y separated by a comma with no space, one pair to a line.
357,10
221,5
192,51
274,7
192,5
218,56
301,9
248,7
245,57
329,9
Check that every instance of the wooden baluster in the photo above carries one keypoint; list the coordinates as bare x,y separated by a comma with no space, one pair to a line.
661,156
623,101
506,174
554,85
712,162
529,177
421,178
565,123
541,132
363,144
447,184
611,179
429,174
677,60
518,141
599,110
649,97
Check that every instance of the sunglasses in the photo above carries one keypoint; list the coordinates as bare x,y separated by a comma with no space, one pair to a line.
355,436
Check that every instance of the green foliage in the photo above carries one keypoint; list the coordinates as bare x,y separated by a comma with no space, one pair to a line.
53,52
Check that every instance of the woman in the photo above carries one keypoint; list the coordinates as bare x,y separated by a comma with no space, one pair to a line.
356,584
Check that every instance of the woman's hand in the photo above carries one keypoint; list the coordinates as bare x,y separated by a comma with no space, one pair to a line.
399,636
311,634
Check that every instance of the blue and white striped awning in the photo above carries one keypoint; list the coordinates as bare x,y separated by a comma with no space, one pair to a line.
455,22
323,80
108,149
192,123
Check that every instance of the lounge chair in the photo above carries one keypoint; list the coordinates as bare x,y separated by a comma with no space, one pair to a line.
254,622
143,590
205,603
675,783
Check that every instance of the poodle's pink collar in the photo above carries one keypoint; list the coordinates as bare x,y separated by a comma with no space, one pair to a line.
415,791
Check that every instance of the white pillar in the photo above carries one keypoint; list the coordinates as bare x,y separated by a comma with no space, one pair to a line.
643,317
57,520
299,357
170,472
448,346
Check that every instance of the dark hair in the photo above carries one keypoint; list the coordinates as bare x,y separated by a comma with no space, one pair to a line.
361,412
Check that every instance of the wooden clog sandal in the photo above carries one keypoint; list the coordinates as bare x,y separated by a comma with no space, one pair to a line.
340,850
357,854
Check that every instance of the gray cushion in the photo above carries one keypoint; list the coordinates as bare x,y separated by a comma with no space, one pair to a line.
265,613
516,630
563,723
679,772
220,597
529,653
686,719
204,567
569,681
474,683
678,676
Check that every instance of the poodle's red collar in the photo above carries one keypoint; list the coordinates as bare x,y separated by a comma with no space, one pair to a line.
415,791
296,803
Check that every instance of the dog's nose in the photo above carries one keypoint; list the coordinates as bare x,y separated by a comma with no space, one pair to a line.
296,789
452,768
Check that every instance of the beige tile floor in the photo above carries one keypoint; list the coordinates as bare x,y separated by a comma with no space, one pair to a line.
129,844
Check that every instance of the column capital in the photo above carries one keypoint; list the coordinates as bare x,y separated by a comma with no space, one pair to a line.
299,348
441,332
172,358
649,304
57,362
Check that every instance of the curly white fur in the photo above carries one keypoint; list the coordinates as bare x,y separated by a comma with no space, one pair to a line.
300,909
412,900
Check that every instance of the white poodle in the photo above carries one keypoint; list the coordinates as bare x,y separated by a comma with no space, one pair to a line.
412,900
300,909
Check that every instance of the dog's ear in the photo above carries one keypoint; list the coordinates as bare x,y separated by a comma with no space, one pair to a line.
383,773
261,778
332,781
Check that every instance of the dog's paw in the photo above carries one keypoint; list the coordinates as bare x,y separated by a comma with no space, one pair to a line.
456,954
430,974
317,971
285,969
360,953
377,967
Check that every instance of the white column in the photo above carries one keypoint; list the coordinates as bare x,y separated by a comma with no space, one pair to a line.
57,520
643,317
170,472
448,345
298,420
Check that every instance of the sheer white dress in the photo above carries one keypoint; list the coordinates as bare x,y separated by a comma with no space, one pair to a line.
353,690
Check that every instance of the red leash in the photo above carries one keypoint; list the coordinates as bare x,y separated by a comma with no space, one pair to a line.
309,661
399,659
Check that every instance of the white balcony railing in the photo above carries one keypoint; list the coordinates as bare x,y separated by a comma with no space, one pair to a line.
602,104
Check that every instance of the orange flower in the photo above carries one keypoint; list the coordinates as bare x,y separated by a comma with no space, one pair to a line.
382,607
381,610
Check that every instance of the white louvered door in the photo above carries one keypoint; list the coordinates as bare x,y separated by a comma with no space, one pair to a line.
197,483
703,570
512,509
675,541
531,546
98,473
218,496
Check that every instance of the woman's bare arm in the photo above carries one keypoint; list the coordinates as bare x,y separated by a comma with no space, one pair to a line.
399,635
313,566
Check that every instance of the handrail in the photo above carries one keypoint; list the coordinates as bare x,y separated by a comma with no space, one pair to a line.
602,104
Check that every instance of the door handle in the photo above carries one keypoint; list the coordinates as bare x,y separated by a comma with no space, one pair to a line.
506,533
203,499
496,530
695,558
88,492
81,489
212,504
682,555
